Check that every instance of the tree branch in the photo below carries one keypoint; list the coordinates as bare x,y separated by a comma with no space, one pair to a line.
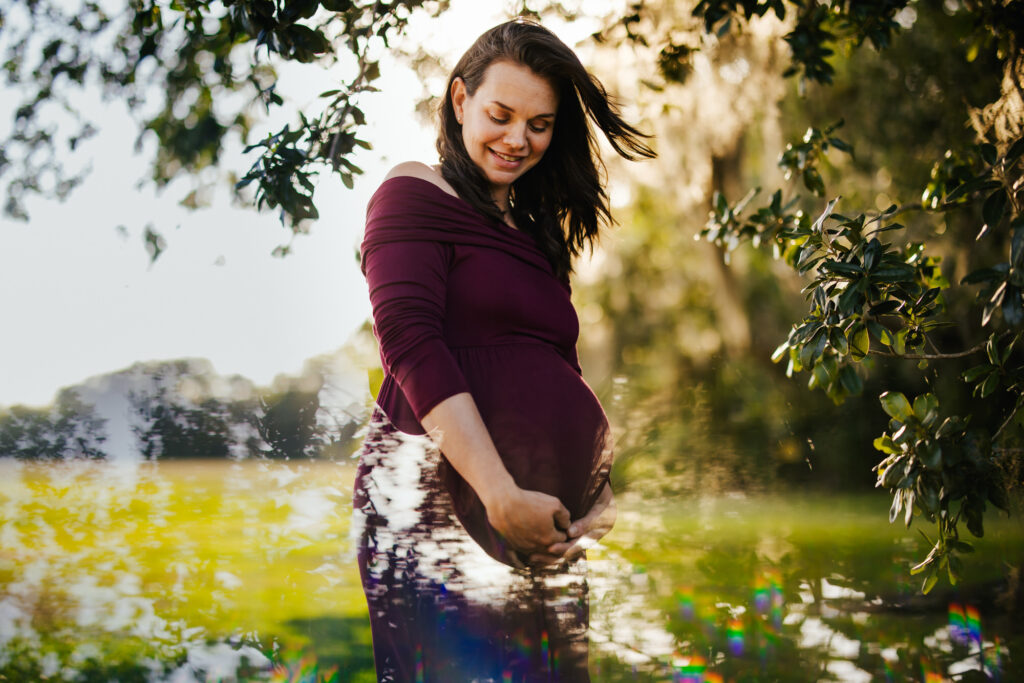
1009,419
931,356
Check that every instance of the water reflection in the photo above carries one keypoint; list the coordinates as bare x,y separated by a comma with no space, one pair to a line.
243,571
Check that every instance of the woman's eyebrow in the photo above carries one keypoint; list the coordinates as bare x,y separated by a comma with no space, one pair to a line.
508,108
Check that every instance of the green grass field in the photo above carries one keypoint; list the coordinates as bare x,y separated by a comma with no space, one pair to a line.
245,571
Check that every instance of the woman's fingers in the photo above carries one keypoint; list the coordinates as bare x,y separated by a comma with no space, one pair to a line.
584,532
530,520
562,519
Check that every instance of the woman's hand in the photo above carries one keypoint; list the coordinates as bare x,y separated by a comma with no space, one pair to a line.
530,521
584,532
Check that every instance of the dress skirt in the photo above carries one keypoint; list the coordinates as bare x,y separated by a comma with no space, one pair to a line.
441,608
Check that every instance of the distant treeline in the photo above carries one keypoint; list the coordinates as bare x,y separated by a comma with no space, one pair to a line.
182,409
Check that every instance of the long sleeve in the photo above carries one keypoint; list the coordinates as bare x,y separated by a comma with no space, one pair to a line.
407,282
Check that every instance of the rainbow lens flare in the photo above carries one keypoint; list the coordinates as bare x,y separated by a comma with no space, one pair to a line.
691,670
957,624
973,623
734,633
684,599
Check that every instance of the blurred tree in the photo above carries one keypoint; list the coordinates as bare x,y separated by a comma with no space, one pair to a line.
170,428
191,72
288,423
70,429
872,298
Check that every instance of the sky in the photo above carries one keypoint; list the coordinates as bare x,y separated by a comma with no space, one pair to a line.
81,298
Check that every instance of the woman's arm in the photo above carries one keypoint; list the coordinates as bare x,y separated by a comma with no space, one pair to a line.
530,521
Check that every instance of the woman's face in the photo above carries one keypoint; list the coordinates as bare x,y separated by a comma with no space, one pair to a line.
506,124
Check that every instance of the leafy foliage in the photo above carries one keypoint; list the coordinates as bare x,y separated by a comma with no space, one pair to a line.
191,72
872,297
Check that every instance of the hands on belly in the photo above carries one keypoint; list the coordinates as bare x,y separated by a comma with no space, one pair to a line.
530,521
583,533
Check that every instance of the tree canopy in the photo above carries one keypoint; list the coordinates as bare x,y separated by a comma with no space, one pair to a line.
192,73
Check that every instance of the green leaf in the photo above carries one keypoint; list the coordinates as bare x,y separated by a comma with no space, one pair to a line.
880,333
985,275
961,546
994,206
972,374
948,427
930,581
988,153
837,340
992,350
885,444
872,253
1016,150
850,301
899,342
1013,307
893,273
859,341
975,523
813,182
980,184
922,565
780,351
896,405
926,408
841,145
930,455
1017,244
850,380
990,384
844,269
821,374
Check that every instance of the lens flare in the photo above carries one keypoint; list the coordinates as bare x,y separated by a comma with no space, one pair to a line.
928,675
762,595
734,633
691,670
957,624
992,660
973,623
684,600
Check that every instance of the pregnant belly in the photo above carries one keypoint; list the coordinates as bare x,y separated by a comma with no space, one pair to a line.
546,424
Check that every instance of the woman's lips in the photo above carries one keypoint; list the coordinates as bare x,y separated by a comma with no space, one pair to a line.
506,160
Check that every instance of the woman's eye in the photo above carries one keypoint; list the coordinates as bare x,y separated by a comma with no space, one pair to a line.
538,129
498,120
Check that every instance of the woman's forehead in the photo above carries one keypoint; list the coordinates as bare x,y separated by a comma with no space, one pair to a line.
516,87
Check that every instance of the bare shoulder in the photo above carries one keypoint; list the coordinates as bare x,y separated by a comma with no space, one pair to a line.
416,169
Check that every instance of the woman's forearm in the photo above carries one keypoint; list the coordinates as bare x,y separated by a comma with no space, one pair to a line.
459,431
529,520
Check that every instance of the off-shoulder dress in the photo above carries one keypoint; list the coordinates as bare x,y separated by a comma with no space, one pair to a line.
464,303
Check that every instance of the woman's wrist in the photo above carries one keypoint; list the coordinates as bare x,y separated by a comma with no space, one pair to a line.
497,490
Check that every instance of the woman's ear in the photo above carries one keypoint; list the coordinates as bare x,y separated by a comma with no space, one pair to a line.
458,97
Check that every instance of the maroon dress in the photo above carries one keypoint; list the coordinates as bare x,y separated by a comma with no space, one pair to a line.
462,302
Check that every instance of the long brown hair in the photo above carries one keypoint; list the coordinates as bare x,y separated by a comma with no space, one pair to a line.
560,201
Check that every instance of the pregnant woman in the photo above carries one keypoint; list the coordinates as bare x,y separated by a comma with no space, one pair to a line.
484,473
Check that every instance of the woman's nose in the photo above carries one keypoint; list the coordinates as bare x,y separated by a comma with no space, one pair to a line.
515,136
